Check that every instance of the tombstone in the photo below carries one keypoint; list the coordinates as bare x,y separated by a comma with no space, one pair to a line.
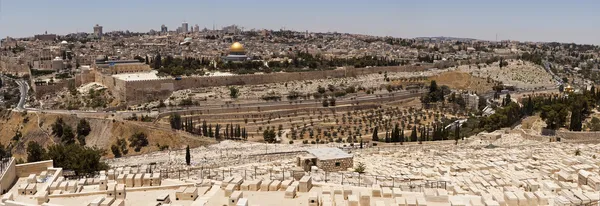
264,186
285,184
82,181
129,180
108,201
31,189
376,191
138,180
111,189
120,191
42,197
156,179
400,201
43,174
305,184
96,202
226,182
111,174
274,186
22,190
163,199
353,200
102,184
31,179
313,199
118,202
179,192
229,190
190,193
290,192
235,197
364,199
121,179
242,202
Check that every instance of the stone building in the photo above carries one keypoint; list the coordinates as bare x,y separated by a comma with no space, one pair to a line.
327,159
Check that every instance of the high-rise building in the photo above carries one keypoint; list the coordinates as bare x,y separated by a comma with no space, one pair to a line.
163,29
184,27
98,30
196,28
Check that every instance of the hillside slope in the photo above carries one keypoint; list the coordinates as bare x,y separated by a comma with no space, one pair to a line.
104,133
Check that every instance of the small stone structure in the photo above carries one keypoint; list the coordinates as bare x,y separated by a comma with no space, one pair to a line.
327,159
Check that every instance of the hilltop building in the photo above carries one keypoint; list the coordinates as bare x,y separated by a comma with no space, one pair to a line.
237,53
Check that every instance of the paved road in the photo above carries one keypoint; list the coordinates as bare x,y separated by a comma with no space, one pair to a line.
24,89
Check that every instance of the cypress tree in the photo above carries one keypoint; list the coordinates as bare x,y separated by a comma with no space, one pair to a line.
188,157
375,137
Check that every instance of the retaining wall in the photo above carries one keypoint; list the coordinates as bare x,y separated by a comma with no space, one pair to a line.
9,176
578,137
24,170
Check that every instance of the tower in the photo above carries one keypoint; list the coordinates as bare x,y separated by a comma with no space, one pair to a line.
184,27
98,31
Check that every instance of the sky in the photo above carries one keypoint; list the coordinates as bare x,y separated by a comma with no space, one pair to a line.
569,21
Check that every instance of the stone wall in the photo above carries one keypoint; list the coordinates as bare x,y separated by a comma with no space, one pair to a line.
335,165
578,137
41,90
147,90
24,170
85,78
9,176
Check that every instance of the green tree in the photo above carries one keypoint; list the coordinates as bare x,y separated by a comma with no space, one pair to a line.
456,133
35,152
594,124
115,150
576,118
325,103
138,140
375,135
269,136
68,136
57,127
413,134
157,62
234,92
188,157
83,130
82,160
175,121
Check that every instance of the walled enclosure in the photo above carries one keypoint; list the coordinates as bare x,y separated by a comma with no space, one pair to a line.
23,170
137,92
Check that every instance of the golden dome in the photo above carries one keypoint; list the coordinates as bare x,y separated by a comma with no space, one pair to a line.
236,47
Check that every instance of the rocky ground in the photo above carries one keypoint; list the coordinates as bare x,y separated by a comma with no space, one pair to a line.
521,74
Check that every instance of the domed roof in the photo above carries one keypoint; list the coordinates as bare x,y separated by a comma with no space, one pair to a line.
236,47
64,42
188,39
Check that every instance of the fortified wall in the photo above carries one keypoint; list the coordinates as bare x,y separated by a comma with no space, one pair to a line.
137,92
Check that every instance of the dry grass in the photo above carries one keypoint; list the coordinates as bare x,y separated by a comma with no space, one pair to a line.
463,81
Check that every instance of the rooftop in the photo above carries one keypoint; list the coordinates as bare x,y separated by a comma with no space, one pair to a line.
329,153
137,76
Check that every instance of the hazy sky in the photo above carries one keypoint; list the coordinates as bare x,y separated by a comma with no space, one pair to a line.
526,20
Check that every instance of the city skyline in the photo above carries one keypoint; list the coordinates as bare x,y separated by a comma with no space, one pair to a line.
535,20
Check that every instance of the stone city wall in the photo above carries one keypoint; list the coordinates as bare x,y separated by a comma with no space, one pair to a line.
85,78
148,90
568,136
41,90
